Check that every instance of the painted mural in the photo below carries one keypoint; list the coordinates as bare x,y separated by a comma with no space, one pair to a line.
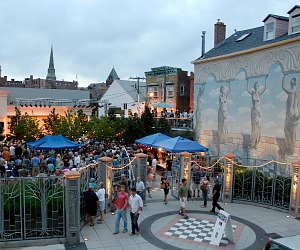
252,107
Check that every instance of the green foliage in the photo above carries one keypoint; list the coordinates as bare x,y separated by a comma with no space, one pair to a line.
50,122
102,129
25,127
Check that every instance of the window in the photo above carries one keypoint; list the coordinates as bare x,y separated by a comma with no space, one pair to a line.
170,91
154,90
269,31
181,89
242,37
296,24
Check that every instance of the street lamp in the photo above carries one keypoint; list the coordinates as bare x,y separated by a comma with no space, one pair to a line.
151,95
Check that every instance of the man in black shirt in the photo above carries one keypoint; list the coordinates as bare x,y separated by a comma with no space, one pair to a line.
91,204
216,196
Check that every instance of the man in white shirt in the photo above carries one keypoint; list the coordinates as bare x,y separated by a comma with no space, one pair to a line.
76,160
135,205
140,188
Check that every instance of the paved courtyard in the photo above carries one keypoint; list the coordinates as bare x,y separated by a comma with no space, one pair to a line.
161,227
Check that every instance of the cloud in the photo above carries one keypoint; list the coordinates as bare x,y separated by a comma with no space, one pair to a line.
243,110
270,125
209,113
282,96
281,115
229,101
208,124
245,93
278,69
241,76
214,92
268,106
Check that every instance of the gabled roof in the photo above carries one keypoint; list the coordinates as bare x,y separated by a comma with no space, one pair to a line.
277,17
112,75
119,88
292,9
254,40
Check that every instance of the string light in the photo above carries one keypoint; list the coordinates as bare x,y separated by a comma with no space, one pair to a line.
92,165
240,165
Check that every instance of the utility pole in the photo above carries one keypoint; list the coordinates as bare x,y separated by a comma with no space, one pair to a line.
138,90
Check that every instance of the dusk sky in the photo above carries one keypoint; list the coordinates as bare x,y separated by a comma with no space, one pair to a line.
90,37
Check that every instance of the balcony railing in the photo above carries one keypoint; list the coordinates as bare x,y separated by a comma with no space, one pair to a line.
180,123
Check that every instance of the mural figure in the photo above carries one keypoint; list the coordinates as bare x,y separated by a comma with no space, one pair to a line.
255,113
222,114
292,115
197,124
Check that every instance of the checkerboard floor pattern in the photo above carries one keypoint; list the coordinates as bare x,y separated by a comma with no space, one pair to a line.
196,230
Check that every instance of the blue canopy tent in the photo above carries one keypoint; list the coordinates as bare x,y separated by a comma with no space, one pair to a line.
50,142
152,139
180,144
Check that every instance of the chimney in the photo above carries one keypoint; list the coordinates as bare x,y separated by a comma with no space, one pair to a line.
203,43
220,32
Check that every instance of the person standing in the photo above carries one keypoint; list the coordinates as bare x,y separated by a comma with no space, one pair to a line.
101,197
149,180
196,177
183,194
216,196
165,186
91,204
121,210
35,163
140,188
135,206
2,167
204,189
154,164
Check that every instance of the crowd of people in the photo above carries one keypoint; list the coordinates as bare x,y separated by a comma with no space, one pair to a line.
17,160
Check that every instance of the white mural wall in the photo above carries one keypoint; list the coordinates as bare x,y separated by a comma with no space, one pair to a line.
250,104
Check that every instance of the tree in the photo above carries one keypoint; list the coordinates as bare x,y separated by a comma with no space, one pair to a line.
102,129
147,121
27,128
50,122
14,121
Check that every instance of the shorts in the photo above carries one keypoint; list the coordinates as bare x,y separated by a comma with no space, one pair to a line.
102,205
182,203
148,184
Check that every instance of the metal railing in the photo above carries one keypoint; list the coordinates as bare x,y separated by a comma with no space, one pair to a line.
179,123
32,208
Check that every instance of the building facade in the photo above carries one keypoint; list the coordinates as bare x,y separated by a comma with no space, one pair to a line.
247,92
40,102
49,83
169,85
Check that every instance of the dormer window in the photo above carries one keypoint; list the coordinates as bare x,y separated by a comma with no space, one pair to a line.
295,24
269,34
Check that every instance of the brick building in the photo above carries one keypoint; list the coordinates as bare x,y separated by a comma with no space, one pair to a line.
175,82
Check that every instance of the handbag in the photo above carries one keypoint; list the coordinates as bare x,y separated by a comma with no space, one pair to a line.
203,187
162,186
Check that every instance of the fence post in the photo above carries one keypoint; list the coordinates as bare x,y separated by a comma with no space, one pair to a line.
228,178
105,166
141,170
72,193
295,191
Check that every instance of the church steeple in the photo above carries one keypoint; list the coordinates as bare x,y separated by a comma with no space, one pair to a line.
51,69
112,76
